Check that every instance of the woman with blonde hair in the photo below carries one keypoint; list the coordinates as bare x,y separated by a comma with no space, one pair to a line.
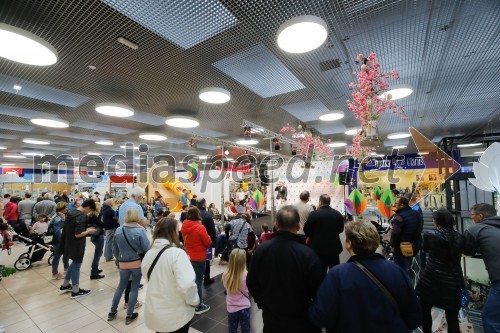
172,294
129,246
350,288
237,298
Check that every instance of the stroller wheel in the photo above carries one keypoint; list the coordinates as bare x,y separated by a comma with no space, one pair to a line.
22,263
24,255
51,258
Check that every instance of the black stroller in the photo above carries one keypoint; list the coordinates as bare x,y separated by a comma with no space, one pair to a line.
383,229
36,250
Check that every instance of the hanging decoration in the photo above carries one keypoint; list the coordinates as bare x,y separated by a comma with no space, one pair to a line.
193,172
247,132
358,203
276,143
384,204
192,143
305,140
368,104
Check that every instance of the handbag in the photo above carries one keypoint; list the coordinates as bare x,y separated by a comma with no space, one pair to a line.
142,254
48,238
406,249
379,284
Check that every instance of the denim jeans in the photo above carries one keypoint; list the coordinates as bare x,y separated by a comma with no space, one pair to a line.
199,270
99,246
57,257
491,310
73,273
125,275
402,261
242,318
108,248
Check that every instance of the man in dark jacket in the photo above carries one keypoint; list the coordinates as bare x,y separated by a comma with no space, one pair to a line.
484,237
73,246
110,224
406,227
284,276
208,222
323,227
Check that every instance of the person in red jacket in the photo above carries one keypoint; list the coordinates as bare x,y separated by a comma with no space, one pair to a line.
196,242
11,211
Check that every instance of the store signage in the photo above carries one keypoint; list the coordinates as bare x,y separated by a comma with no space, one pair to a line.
12,171
406,161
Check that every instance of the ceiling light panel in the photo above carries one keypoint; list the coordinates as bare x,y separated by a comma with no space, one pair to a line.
41,92
176,140
8,136
307,110
258,69
185,25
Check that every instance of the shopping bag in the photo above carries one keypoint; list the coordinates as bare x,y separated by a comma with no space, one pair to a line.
464,324
439,324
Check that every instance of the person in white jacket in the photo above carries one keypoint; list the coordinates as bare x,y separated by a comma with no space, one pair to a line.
172,295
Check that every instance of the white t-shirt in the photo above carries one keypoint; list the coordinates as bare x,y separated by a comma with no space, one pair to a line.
40,227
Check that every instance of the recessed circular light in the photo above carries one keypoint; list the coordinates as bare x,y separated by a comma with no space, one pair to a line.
247,142
214,95
352,131
24,47
93,153
399,147
153,137
55,123
182,122
465,145
3,147
331,116
398,91
114,110
302,34
337,144
399,135
36,141
32,154
14,156
104,142
8,164
124,146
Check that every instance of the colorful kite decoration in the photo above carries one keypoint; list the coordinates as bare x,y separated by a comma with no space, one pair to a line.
384,205
357,203
377,192
193,172
257,200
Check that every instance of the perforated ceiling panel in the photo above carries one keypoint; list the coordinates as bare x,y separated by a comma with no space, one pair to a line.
447,50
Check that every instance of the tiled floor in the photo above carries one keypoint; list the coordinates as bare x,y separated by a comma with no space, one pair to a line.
30,301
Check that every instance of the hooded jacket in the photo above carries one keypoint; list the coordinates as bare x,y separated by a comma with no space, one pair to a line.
484,237
442,278
196,240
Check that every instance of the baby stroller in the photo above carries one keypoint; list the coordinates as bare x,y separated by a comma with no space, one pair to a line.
36,250
383,229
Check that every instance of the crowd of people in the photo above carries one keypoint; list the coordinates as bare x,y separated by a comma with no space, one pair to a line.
291,270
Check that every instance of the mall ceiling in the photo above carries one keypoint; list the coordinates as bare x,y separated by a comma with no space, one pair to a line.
447,50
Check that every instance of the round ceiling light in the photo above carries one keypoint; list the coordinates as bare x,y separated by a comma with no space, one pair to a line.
400,135
182,122
247,142
55,123
153,137
32,154
302,34
36,141
337,144
214,95
24,47
14,156
399,147
398,92
352,131
3,147
330,116
104,142
125,147
114,110
8,164
203,157
93,153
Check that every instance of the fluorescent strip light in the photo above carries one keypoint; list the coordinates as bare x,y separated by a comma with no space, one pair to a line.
247,142
465,145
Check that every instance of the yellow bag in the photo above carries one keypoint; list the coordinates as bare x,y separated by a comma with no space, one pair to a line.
406,249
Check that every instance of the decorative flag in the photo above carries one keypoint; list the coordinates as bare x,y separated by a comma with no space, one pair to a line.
358,203
193,173
384,205
257,200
